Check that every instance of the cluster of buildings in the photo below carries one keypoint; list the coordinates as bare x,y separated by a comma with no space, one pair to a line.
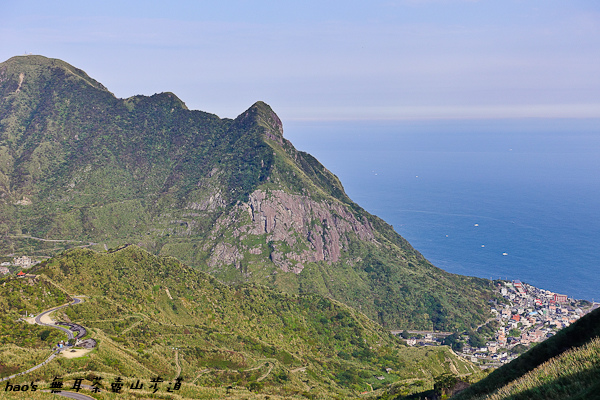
23,262
528,315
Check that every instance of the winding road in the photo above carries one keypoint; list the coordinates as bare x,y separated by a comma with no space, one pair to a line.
38,320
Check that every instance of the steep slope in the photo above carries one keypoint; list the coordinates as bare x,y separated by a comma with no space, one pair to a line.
79,167
566,366
153,316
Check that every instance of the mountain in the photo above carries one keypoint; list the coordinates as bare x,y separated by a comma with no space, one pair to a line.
153,316
232,197
565,366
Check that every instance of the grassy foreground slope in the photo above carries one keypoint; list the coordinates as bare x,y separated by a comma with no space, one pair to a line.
232,197
153,316
566,366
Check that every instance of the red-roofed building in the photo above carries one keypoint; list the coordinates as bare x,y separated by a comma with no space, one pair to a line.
560,298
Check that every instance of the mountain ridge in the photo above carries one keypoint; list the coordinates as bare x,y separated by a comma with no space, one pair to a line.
232,197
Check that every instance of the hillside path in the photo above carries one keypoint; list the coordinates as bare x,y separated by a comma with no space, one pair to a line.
266,373
72,395
177,363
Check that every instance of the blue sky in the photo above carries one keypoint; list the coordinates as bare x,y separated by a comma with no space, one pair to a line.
329,60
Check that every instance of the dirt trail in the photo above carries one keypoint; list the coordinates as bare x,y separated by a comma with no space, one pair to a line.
267,373
177,364
132,326
21,77
200,374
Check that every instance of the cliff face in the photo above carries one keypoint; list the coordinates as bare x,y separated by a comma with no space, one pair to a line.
79,167
298,229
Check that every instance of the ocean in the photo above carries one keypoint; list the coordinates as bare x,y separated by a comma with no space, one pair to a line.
510,199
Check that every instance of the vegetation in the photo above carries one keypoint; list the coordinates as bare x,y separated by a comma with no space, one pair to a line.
157,317
81,168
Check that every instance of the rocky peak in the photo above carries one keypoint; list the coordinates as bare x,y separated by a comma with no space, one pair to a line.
261,114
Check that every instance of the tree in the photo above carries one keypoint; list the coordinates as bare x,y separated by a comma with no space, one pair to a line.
514,332
518,349
443,383
453,341
44,334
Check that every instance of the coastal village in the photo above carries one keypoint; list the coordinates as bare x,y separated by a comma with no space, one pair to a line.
526,315
530,315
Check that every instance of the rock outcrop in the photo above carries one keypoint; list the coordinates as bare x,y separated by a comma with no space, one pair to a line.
298,229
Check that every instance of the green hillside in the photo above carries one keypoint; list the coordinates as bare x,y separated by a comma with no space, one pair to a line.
565,366
154,316
82,168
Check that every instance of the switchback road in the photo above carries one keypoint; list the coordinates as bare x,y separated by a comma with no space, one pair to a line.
38,320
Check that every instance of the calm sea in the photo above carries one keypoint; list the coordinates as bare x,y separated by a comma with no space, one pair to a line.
495,199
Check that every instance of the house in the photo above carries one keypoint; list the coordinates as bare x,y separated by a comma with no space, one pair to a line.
560,298
24,262
536,336
21,274
4,270
502,339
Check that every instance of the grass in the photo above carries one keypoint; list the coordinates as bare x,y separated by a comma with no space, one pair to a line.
244,337
566,376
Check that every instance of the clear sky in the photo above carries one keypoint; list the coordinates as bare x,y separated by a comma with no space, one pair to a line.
329,59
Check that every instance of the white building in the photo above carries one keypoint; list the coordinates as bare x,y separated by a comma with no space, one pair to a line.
24,262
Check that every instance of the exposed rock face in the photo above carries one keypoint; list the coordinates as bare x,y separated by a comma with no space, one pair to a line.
298,228
226,254
210,196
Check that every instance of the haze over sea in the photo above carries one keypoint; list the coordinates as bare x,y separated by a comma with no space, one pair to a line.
511,199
